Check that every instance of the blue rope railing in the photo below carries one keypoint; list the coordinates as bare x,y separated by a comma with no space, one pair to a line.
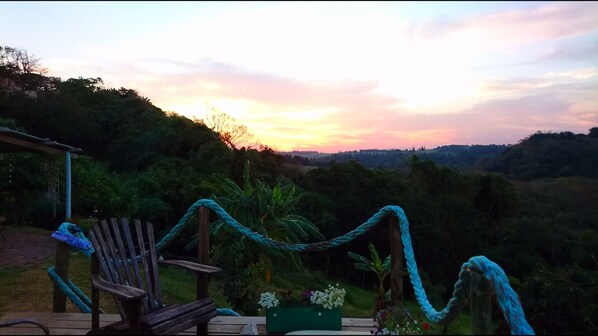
73,292
507,298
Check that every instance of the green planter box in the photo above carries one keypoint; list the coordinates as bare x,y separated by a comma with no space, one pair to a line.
286,319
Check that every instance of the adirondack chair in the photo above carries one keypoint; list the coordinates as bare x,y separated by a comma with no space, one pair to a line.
129,271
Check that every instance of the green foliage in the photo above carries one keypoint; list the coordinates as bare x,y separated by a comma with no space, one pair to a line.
12,124
24,194
561,300
96,191
269,211
379,267
240,278
550,155
398,321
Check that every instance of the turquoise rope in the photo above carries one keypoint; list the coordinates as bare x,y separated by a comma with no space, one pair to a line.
226,312
509,302
508,299
84,298
74,293
64,228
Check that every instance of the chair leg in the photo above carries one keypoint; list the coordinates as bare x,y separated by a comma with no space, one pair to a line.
202,292
133,312
95,296
95,308
202,329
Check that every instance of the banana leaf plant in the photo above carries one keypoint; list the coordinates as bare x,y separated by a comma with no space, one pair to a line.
376,265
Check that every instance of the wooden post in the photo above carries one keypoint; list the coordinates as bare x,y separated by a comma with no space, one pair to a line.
62,269
480,304
68,186
133,311
396,262
203,253
95,295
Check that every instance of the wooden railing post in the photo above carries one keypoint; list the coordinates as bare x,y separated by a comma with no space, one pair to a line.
95,295
480,295
396,262
62,269
203,252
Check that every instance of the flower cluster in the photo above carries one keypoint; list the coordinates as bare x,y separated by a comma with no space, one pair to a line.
268,300
332,297
395,322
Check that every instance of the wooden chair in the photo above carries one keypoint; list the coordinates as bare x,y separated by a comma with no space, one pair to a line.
135,286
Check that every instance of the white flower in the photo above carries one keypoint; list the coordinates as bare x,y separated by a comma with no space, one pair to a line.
332,297
268,300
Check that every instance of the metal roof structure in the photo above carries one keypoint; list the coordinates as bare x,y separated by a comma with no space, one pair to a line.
13,141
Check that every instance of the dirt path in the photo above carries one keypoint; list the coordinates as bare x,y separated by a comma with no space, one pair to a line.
25,249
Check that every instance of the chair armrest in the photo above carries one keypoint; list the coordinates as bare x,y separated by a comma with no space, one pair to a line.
189,265
123,292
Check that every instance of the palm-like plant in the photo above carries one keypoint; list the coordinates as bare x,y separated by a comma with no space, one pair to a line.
268,211
376,265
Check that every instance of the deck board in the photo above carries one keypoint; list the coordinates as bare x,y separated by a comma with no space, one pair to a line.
80,323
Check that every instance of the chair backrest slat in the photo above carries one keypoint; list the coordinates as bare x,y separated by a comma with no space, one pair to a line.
117,263
154,263
116,231
144,259
105,261
109,271
133,256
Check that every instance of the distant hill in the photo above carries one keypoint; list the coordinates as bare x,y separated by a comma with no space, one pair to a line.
546,154
455,156
543,154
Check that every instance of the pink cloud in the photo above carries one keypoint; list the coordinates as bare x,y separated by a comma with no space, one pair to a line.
550,21
365,119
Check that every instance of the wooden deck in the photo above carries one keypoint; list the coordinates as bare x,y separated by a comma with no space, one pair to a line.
79,324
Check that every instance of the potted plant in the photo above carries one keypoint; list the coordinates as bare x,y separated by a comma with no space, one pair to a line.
315,310
397,321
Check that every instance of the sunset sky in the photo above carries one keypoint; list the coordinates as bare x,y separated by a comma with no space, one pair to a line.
334,76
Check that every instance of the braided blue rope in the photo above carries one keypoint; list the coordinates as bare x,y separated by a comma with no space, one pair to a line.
84,298
508,299
226,312
75,294
506,296
64,228
208,203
